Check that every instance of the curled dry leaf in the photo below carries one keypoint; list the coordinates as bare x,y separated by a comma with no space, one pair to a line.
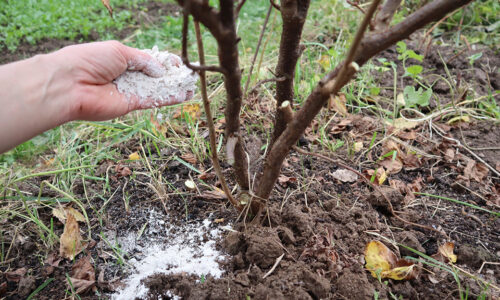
82,275
476,170
61,213
379,176
393,166
445,253
70,240
190,158
16,275
345,175
216,194
383,263
358,146
337,103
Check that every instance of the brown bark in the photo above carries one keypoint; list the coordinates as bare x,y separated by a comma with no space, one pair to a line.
386,13
294,13
222,26
370,45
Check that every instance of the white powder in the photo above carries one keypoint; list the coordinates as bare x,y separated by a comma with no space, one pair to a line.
177,84
185,252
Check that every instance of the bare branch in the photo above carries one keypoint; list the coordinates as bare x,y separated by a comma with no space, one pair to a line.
294,13
386,13
275,5
263,81
356,5
205,14
370,46
185,58
210,122
249,78
240,5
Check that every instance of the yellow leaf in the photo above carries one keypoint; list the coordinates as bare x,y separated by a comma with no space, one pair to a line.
401,123
459,118
378,258
324,62
193,110
71,240
446,250
108,7
383,263
382,175
399,273
134,156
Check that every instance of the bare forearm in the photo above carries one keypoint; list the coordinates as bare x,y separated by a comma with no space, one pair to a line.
31,100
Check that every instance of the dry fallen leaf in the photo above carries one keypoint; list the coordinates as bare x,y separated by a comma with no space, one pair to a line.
61,213
383,263
345,175
401,123
476,170
83,275
134,156
337,103
16,275
71,240
190,184
393,166
193,110
189,157
380,175
445,253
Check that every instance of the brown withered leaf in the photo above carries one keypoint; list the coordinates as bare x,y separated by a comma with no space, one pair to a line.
475,170
122,171
82,275
320,248
380,175
337,103
216,194
71,240
284,180
16,275
445,253
108,7
190,158
393,166
407,135
341,126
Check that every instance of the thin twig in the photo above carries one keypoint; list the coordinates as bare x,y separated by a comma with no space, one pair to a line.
276,263
249,77
261,82
373,186
240,5
210,122
275,5
356,5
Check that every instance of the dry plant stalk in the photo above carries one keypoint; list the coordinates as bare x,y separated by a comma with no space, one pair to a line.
289,125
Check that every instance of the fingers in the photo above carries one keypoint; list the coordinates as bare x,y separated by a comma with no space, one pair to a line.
140,61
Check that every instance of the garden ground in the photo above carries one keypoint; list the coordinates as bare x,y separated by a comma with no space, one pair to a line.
436,162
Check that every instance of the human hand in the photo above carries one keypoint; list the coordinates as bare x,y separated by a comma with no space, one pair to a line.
86,72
